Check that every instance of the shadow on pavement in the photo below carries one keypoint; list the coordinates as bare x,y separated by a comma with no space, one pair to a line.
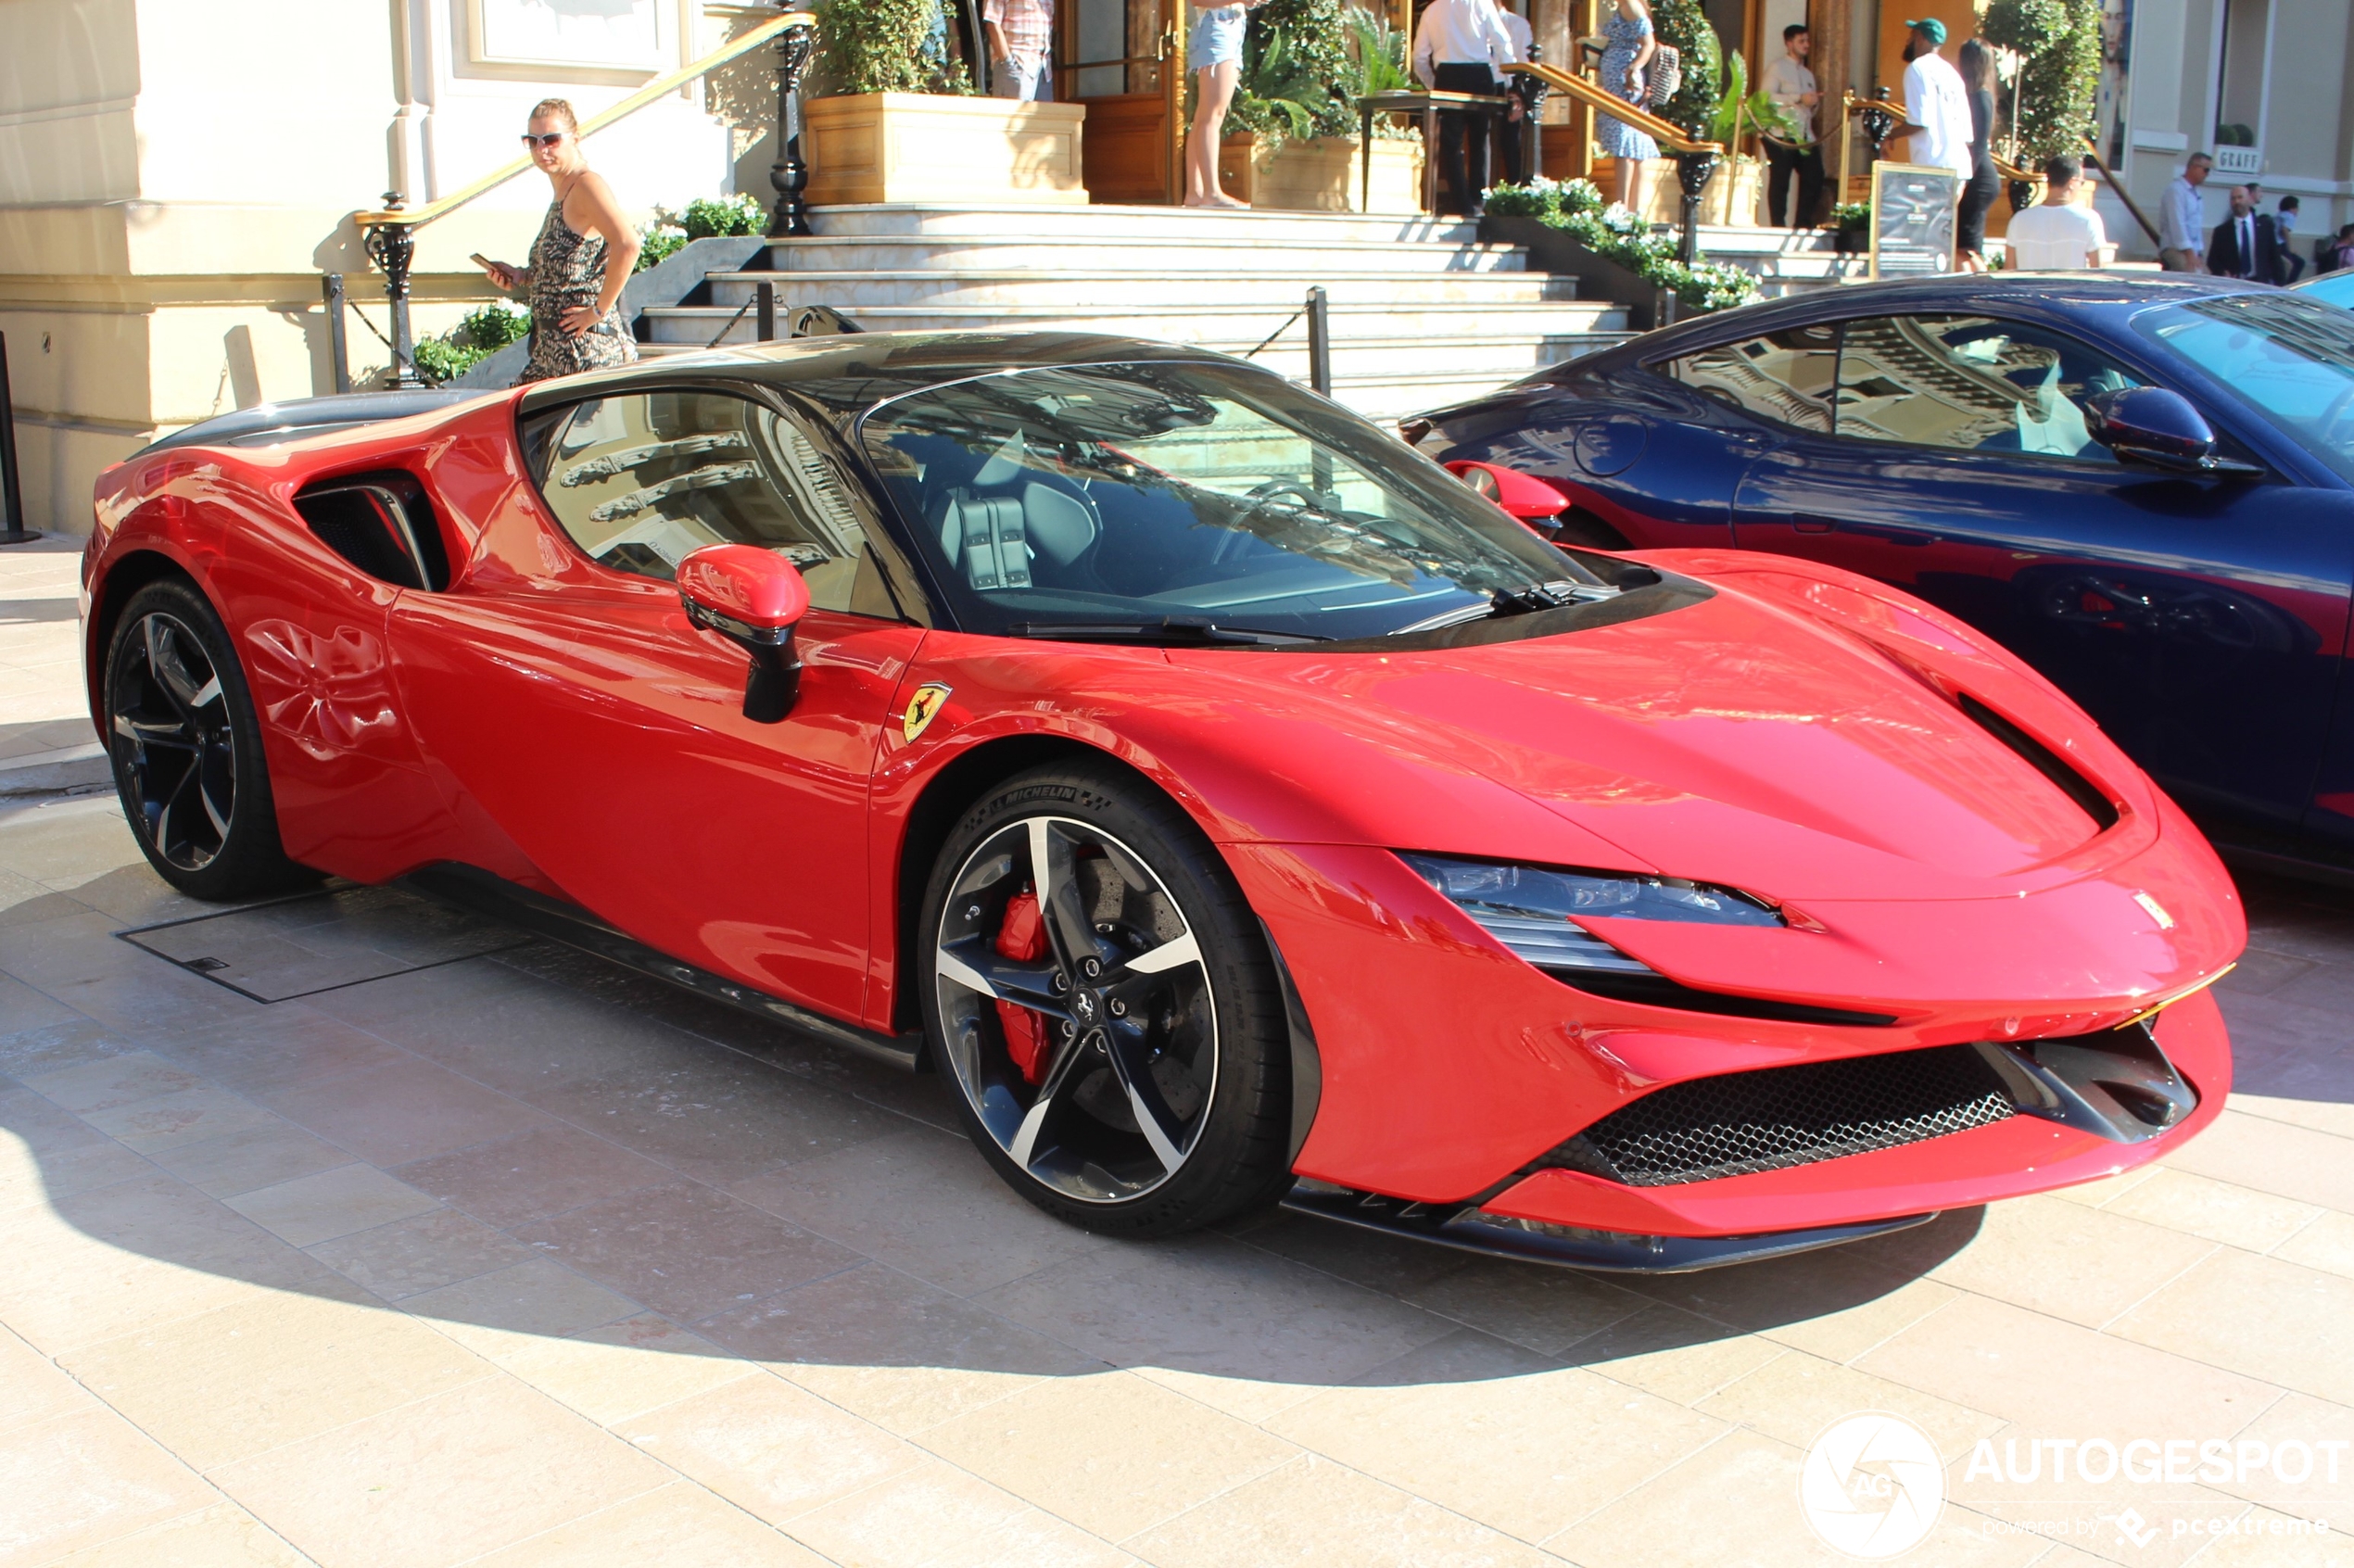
519,1141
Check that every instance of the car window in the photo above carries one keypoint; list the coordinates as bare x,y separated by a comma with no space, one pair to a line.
2289,358
1782,376
1972,384
641,481
1150,493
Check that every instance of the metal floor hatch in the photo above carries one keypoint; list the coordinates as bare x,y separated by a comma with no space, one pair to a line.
321,941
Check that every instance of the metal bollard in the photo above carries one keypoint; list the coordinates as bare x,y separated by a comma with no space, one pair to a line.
1320,343
11,487
765,310
338,348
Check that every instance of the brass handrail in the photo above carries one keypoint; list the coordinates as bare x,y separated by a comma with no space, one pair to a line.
417,217
1618,108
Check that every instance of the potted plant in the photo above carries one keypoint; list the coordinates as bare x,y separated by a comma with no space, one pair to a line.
1735,193
1852,222
891,118
1294,141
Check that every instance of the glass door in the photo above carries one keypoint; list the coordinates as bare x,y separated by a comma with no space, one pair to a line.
1128,68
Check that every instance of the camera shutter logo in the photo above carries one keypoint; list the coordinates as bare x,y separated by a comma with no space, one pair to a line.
1872,1486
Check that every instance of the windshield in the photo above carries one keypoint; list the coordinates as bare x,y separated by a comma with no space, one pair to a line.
1099,500
2288,358
2332,289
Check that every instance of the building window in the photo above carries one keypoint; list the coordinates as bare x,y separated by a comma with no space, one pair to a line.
2243,74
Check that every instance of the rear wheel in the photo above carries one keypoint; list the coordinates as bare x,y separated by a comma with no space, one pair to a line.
186,748
1099,992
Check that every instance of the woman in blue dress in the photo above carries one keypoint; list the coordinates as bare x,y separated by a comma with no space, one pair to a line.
1625,75
1214,53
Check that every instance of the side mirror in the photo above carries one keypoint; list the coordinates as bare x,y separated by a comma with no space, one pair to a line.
751,597
1522,495
2156,429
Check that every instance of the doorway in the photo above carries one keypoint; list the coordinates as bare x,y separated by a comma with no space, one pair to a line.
1127,65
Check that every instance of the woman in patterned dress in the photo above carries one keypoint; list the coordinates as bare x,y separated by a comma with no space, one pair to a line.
583,256
1624,76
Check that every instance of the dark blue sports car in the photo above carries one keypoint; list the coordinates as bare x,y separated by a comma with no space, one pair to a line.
2143,487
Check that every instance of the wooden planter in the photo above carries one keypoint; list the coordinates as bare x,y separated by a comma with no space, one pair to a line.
1737,195
1555,250
923,147
1322,175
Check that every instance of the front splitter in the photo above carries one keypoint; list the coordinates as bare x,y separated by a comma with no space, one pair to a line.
1468,1229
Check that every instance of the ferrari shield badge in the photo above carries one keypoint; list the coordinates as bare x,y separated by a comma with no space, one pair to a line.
922,708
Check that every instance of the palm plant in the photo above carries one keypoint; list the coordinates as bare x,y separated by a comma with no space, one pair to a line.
1278,93
1381,53
1736,105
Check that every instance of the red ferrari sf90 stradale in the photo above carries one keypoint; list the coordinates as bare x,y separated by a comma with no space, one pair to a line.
1227,801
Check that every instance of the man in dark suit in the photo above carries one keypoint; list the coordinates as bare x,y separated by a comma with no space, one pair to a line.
2247,244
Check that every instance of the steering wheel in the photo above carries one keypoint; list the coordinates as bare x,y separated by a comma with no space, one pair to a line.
1257,499
2325,428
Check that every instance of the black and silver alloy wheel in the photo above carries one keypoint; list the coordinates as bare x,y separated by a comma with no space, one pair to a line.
186,747
1098,993
1115,1102
173,742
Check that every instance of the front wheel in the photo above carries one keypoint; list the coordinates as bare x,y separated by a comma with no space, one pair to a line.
186,746
1099,993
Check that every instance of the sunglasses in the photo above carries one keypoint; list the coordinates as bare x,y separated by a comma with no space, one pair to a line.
550,140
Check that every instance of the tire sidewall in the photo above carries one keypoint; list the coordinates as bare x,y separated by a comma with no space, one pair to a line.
1252,1048
251,859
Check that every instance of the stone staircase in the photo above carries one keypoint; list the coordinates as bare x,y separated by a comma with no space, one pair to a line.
1421,312
1783,262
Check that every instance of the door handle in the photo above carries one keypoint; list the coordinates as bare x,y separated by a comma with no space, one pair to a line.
1815,522
1807,523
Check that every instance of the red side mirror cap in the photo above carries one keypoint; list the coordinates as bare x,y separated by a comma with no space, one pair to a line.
1522,495
755,587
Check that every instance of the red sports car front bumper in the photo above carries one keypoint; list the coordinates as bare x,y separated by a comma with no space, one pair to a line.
1449,1068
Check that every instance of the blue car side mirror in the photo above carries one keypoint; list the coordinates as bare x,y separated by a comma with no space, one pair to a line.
2156,429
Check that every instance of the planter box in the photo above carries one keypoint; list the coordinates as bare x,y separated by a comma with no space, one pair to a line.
923,147
1555,250
1737,195
1322,174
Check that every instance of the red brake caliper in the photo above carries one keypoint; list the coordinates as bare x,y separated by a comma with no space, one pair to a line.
1023,937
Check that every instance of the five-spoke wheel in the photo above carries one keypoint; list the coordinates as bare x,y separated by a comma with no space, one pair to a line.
186,748
1097,996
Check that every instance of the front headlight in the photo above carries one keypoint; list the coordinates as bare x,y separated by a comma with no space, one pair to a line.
1532,909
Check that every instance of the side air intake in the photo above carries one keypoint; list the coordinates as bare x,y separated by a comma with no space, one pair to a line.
381,522
2044,760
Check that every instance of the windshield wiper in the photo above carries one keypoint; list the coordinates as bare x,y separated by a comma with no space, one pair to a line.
1169,628
1555,595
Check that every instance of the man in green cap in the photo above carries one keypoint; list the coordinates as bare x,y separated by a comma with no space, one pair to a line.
1936,103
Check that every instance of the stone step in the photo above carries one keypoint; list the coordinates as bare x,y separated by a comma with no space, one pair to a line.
1140,288
1226,252
1014,222
1438,324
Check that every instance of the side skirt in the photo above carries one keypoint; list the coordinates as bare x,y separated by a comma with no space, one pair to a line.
470,887
1465,1226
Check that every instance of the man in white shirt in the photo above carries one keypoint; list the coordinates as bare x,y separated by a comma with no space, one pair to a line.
1461,46
1936,103
2058,235
1792,86
2181,218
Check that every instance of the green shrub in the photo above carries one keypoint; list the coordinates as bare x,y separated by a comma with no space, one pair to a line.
1680,23
705,218
1298,78
1612,233
2060,42
883,46
477,335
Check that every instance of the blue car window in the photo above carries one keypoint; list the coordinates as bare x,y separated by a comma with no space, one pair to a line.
1972,384
1783,377
2290,359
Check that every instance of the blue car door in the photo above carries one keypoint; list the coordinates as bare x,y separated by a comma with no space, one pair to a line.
2201,621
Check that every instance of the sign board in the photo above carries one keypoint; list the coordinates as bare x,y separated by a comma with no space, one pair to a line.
1913,220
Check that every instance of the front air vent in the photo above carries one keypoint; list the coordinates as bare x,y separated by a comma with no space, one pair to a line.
1655,989
2044,760
1738,1123
382,524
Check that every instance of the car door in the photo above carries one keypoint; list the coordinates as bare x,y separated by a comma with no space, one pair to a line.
561,691
2198,619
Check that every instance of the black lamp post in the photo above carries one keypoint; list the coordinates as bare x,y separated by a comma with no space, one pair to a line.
393,247
790,172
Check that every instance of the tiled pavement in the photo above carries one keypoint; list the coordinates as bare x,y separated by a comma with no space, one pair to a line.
514,1259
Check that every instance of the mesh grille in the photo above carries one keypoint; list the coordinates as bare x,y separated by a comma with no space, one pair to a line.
1742,1122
